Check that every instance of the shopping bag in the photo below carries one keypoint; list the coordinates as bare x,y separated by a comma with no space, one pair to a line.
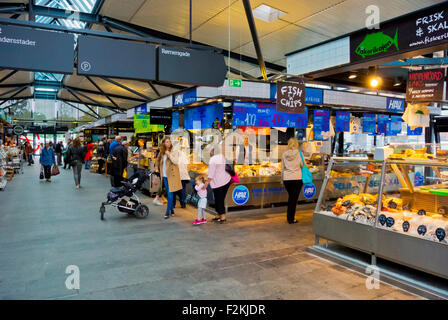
41,174
55,170
125,173
307,176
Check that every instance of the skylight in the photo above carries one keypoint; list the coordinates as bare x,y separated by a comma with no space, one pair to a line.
85,6
267,13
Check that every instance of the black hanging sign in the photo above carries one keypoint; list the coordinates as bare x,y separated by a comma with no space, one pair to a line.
290,97
421,29
160,116
36,50
425,85
198,67
99,56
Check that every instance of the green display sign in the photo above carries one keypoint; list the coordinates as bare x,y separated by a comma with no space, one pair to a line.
141,123
235,83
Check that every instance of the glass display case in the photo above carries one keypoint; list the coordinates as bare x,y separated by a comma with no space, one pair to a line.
394,209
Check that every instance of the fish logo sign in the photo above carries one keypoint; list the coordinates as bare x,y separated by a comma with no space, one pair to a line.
376,43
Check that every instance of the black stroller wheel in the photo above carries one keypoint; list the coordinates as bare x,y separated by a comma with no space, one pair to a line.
102,210
142,211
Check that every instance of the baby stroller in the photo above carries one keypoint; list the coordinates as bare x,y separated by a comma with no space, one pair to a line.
125,199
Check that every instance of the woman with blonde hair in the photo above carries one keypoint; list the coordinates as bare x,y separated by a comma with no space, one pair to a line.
292,176
167,166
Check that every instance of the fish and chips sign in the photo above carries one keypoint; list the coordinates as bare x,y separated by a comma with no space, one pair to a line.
422,29
291,97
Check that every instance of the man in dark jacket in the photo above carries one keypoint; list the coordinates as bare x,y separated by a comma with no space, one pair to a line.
58,148
119,163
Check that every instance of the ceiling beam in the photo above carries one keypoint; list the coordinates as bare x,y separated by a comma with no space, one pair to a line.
13,90
127,88
154,88
14,95
82,102
253,31
101,90
113,95
13,72
75,107
12,7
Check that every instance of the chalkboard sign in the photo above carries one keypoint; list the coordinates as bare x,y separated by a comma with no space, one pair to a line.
248,114
368,123
342,121
425,85
290,97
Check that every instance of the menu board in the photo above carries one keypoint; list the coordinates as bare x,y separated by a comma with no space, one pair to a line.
321,123
368,123
250,114
342,121
203,117
383,121
425,85
142,123
394,126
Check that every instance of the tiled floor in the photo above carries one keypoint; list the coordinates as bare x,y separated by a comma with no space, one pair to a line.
44,227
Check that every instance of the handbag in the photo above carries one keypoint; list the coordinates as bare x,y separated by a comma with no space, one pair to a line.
55,170
307,176
41,174
230,170
235,179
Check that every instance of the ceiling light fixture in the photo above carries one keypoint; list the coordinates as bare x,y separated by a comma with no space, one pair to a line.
353,76
267,13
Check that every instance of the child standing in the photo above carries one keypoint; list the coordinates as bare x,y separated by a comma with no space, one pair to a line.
202,203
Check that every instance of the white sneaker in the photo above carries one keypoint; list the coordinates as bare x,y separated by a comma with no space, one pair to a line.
157,202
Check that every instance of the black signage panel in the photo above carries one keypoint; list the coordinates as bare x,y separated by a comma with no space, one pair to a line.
419,30
98,56
160,116
425,85
190,66
36,50
290,97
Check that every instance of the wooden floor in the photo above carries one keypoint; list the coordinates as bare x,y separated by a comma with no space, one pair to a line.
45,227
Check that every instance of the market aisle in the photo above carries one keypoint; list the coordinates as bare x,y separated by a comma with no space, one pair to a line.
45,227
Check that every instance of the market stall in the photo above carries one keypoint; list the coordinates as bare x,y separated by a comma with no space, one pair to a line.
395,209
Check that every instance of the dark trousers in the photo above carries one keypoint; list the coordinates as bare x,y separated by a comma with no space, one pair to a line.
59,158
293,187
30,159
181,193
220,197
100,166
116,180
47,172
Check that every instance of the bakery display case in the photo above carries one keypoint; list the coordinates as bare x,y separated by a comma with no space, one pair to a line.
396,209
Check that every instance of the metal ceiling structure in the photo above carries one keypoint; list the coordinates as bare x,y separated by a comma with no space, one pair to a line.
215,24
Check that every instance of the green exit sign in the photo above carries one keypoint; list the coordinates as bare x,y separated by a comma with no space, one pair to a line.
235,83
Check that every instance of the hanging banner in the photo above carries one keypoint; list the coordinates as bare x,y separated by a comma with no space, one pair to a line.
142,123
383,121
321,123
175,121
290,97
425,85
99,56
198,67
248,114
342,121
36,50
185,97
411,32
368,123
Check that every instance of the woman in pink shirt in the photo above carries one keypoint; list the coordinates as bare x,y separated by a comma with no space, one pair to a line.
219,181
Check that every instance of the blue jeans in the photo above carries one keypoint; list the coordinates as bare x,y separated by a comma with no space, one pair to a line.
181,193
169,196
86,163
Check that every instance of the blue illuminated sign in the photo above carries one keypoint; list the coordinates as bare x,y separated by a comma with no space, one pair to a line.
248,114
395,105
240,195
185,97
368,123
143,109
342,121
203,117
309,190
